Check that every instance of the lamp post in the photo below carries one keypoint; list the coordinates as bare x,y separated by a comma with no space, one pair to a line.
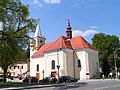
58,72
58,66
43,74
115,57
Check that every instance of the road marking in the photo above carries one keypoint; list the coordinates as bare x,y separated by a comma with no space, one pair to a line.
100,88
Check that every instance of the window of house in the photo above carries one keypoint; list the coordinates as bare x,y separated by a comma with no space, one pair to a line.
14,67
79,63
22,67
53,64
37,67
18,67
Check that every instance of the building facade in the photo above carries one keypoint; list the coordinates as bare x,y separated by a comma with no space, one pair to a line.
66,56
18,69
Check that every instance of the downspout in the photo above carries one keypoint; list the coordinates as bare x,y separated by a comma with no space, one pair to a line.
74,62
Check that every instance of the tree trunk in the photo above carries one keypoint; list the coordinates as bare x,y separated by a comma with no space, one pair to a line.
4,75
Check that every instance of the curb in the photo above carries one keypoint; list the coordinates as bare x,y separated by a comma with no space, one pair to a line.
93,80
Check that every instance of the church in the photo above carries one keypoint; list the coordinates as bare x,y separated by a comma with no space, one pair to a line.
66,56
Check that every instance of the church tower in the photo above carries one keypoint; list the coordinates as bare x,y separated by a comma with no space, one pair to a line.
37,41
69,31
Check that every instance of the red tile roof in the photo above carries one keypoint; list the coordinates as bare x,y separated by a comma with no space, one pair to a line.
62,42
79,42
41,50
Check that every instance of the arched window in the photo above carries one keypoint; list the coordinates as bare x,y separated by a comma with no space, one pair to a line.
79,63
37,67
53,64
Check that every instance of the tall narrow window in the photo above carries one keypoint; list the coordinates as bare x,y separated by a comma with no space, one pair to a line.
14,67
37,67
18,67
53,64
22,67
79,63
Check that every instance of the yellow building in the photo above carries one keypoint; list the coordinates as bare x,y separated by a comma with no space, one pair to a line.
66,56
19,69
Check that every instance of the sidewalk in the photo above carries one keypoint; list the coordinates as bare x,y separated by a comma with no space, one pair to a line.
92,80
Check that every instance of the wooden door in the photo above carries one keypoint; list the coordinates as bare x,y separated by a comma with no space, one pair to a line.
38,76
53,74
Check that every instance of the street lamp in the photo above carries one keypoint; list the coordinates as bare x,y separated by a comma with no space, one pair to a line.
58,66
43,74
58,71
115,57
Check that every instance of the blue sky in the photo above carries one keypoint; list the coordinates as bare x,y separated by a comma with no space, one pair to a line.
87,17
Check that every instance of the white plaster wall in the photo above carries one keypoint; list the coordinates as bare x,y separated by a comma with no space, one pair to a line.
63,57
68,59
89,63
93,62
66,63
81,72
33,66
59,59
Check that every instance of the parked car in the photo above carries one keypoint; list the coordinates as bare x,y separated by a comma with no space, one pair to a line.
32,80
48,80
67,79
118,76
45,80
53,80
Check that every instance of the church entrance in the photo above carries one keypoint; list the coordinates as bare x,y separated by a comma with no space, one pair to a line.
53,74
37,76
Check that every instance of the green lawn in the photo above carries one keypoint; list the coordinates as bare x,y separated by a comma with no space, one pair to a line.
12,84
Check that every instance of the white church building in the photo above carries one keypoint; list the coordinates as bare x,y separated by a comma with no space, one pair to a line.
66,56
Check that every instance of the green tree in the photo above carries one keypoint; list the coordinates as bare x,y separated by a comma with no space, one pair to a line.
14,36
106,44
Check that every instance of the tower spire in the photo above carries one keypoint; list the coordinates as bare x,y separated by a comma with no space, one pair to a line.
69,30
38,31
40,40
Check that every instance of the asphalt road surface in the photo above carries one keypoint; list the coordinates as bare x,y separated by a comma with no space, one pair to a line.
86,85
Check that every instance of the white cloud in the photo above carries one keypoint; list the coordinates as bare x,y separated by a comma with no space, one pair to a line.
52,1
46,1
40,2
84,33
36,2
79,3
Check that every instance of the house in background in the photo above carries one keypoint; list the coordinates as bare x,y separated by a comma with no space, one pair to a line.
66,56
18,69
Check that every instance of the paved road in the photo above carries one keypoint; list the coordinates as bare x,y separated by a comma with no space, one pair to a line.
90,85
